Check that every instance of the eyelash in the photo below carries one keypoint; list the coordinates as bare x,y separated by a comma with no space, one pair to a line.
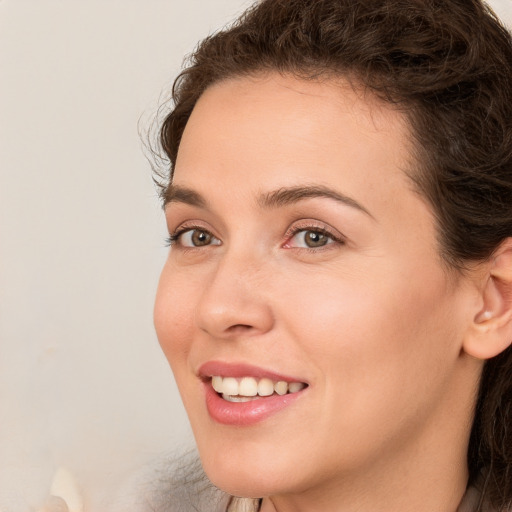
295,230
169,240
173,238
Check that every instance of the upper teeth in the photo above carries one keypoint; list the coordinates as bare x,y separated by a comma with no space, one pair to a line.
249,386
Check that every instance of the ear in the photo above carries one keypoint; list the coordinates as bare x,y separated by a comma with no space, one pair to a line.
491,330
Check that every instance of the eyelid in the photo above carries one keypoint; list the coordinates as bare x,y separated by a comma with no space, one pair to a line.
185,227
314,225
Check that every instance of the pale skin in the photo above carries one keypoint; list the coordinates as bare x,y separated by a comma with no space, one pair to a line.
390,340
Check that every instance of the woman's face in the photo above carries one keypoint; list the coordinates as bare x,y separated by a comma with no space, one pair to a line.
303,262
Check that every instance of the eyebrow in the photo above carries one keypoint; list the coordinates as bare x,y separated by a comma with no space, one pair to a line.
274,199
177,194
290,195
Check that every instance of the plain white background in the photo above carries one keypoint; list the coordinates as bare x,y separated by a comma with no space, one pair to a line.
82,381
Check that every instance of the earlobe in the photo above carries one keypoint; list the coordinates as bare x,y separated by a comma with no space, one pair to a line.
491,330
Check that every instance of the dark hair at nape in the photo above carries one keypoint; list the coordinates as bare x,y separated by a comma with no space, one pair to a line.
448,65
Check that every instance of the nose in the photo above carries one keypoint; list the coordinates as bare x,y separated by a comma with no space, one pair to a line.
233,303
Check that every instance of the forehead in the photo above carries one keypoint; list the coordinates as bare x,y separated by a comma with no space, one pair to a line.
283,111
272,130
289,98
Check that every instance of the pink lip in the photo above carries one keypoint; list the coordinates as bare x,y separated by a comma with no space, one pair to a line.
243,414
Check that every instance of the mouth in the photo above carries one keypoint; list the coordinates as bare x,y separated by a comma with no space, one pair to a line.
243,395
246,389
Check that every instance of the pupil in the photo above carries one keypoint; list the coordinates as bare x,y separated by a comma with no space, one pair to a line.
200,238
315,239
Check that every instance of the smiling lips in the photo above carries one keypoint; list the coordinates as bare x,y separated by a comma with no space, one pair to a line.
242,395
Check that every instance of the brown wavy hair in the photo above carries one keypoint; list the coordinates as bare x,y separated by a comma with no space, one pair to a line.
447,64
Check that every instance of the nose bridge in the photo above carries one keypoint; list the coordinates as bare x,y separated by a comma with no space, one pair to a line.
233,300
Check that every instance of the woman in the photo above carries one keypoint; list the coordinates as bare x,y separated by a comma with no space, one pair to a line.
337,302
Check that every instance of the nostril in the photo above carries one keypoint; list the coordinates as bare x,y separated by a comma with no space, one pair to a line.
239,328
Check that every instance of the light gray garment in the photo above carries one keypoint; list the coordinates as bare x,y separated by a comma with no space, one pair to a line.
171,484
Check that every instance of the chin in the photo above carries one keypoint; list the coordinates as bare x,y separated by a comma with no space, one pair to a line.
244,484
245,478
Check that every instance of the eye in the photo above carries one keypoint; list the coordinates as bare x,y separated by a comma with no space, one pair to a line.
194,237
310,239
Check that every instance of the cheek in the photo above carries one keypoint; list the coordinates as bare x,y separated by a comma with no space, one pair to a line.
174,309
384,346
369,311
